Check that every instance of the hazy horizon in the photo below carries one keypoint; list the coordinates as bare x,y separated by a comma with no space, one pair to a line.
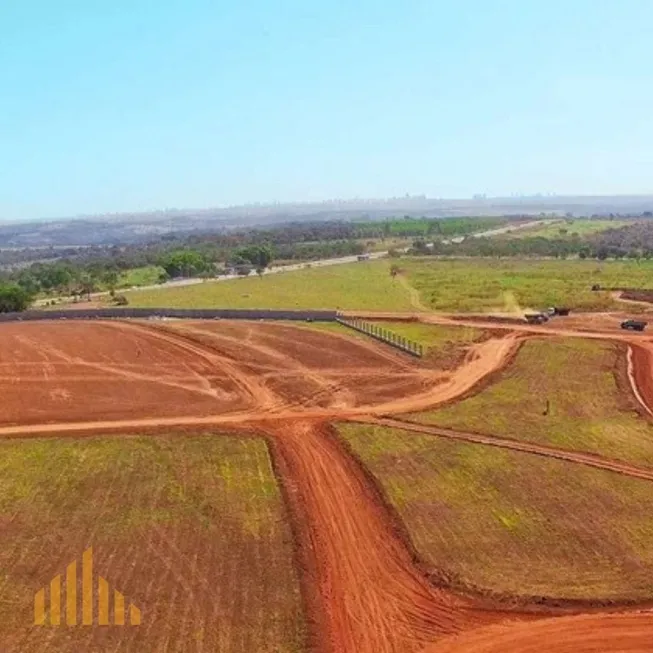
133,107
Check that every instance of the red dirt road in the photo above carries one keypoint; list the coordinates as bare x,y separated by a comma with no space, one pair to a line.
372,597
364,590
625,633
588,459
640,372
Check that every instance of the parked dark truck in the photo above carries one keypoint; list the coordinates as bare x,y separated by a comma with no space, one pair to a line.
536,318
634,325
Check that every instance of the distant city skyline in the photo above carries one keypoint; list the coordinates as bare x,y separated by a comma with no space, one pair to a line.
132,106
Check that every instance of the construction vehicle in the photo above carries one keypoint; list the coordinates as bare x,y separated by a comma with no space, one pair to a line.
634,325
536,318
558,310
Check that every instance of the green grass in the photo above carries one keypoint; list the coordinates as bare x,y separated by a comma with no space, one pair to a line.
588,411
145,276
433,336
365,286
192,528
581,226
511,522
467,285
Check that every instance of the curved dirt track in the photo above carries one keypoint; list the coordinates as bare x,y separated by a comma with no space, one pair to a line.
426,388
619,296
590,460
640,359
366,593
372,597
623,633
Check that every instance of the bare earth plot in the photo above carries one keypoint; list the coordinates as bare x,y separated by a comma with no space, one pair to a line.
193,530
321,542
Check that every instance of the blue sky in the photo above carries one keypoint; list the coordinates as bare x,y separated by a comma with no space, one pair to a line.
125,105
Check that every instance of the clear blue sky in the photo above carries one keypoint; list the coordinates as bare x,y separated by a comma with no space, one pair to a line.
140,104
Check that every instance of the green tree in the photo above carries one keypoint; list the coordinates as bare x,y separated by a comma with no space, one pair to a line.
259,256
87,285
110,279
184,263
13,298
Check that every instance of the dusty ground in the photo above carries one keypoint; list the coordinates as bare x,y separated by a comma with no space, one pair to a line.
362,588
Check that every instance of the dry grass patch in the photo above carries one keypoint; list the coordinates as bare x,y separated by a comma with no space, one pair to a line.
589,406
514,523
193,530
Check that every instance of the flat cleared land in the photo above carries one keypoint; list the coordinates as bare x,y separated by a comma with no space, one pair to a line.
588,411
365,286
481,285
193,530
514,523
67,371
184,525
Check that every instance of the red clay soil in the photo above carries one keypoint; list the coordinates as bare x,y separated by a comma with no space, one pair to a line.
641,373
366,593
618,633
77,376
371,596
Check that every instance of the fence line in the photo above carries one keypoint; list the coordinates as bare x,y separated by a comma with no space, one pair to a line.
383,335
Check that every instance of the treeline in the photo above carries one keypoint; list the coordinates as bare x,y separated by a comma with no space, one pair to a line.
288,241
86,270
633,241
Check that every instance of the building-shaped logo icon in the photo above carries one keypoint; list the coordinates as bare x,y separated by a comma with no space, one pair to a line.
67,611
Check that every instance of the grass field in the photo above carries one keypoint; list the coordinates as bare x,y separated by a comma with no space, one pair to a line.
512,522
443,345
349,286
145,276
465,285
587,410
433,337
581,226
192,529
500,285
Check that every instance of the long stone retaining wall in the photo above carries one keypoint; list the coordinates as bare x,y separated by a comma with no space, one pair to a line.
193,313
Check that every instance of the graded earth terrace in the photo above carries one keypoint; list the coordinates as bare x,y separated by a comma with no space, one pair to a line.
326,493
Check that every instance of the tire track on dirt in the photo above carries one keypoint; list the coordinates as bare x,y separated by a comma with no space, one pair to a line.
344,396
588,459
486,358
413,294
617,633
262,397
640,374
111,369
372,597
